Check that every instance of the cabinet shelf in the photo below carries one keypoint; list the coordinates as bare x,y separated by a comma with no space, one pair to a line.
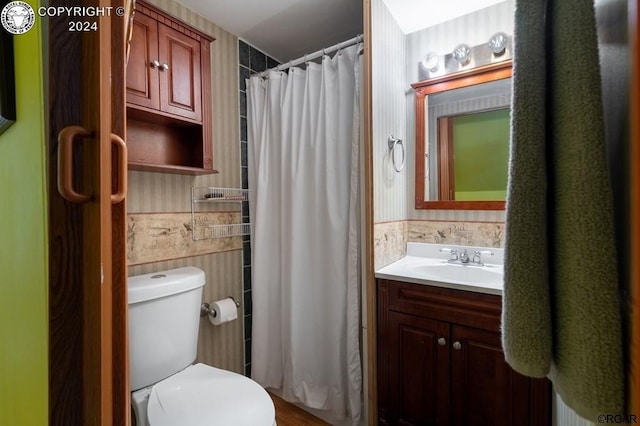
206,199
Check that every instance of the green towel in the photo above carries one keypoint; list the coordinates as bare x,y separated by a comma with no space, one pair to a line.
561,312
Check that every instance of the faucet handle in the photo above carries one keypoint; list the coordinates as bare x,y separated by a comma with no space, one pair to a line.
452,251
477,256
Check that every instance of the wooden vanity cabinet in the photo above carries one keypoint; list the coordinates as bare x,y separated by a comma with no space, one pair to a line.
440,361
168,94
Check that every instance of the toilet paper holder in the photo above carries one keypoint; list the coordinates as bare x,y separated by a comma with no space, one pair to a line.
206,310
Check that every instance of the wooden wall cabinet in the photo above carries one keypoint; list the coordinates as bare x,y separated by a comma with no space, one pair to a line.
168,95
440,361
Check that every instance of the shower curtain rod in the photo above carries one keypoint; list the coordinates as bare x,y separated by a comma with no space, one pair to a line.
314,55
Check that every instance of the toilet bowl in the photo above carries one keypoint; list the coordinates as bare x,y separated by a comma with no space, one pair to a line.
167,389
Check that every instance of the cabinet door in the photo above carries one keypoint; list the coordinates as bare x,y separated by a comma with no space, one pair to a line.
180,73
142,74
484,388
418,370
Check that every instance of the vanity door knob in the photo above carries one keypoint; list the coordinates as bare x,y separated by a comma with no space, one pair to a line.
164,67
155,63
457,346
442,341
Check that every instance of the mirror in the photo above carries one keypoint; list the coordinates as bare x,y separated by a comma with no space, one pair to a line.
462,139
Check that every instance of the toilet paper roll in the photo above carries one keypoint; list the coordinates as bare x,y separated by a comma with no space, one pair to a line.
222,311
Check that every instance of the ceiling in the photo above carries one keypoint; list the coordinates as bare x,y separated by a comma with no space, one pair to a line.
288,29
414,15
284,29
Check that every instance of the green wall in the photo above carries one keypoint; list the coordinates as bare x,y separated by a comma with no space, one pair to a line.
481,149
23,245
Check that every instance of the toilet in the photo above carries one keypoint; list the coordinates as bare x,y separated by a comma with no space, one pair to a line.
167,388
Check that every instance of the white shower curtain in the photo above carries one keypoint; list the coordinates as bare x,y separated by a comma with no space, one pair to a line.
304,138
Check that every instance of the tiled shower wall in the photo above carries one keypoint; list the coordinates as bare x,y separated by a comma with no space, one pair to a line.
251,60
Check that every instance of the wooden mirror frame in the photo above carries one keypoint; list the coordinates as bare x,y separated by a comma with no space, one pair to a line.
484,74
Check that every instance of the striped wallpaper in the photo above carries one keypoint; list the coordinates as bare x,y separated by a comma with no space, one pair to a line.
220,346
388,59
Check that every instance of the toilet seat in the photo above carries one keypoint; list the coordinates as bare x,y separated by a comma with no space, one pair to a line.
201,395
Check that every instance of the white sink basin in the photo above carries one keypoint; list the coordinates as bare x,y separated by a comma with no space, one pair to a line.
447,272
427,264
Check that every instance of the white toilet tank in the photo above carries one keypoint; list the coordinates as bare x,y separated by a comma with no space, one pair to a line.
164,315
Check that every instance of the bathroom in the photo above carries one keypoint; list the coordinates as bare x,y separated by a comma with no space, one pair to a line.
155,200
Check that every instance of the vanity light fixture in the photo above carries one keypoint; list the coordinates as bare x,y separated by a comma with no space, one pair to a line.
462,54
431,62
498,43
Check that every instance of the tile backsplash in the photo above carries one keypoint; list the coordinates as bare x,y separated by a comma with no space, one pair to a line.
390,238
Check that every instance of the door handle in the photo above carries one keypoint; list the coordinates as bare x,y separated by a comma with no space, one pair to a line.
65,163
121,147
457,345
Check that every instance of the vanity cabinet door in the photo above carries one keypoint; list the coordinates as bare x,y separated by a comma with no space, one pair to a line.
485,390
418,370
440,361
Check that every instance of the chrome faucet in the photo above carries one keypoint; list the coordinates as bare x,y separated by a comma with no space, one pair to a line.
462,257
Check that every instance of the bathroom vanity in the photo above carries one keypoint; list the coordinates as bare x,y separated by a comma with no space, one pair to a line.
440,360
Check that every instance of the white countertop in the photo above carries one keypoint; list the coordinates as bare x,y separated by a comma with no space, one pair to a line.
423,257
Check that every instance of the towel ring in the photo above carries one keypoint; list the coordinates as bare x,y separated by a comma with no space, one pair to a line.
392,141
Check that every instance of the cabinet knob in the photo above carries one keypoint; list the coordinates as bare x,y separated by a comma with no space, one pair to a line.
164,67
457,346
155,64
442,341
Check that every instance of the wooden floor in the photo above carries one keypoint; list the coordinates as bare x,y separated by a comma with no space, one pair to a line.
288,414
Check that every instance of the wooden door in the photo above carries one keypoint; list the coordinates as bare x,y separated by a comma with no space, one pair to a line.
143,77
88,371
484,389
418,370
180,73
634,147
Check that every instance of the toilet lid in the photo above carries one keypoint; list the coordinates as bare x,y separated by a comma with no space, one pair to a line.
201,395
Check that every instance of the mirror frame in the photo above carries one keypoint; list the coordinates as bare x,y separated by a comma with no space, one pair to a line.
484,74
